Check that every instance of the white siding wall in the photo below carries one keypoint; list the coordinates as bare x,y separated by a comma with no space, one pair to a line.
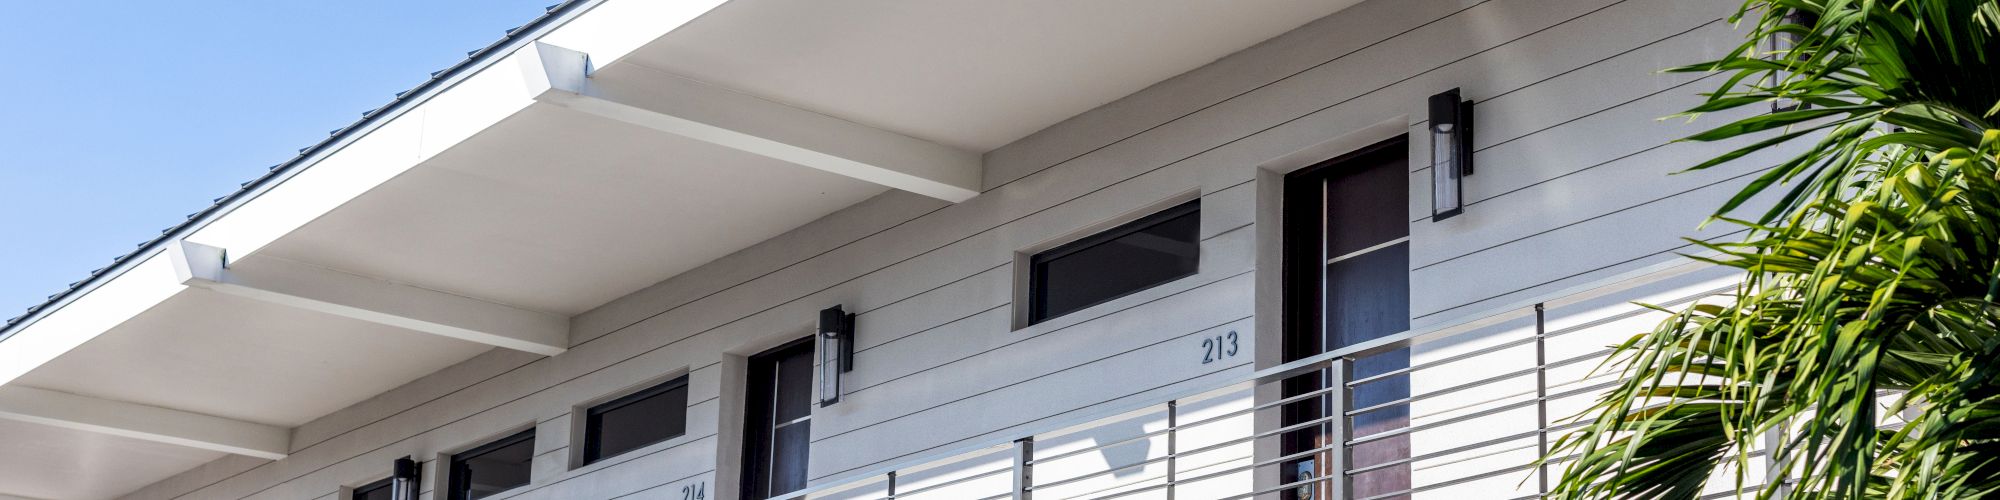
1571,185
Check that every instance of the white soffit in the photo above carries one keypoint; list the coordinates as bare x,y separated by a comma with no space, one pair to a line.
214,354
972,74
560,211
39,461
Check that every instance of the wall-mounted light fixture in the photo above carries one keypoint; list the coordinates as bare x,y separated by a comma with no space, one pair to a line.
836,352
403,482
1451,153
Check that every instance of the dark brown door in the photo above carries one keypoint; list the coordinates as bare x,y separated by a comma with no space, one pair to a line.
778,420
1347,281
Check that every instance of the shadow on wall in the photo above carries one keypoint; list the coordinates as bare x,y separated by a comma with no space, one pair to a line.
1126,455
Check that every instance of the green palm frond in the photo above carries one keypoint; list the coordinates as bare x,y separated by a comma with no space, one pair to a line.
1872,284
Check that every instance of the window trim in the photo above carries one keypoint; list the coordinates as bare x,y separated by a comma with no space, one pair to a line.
1034,278
591,432
455,476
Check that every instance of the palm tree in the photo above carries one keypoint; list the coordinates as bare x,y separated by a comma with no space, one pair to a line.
1865,341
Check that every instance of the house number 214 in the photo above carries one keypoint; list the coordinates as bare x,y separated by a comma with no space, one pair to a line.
1215,348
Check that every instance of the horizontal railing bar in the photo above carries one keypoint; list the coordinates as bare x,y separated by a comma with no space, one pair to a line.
1530,340
1503,397
1198,423
1639,311
1322,449
1074,479
1481,382
1464,386
1380,406
1444,361
1123,493
1489,317
1530,446
1453,420
1281,487
1515,394
1435,454
1153,487
1150,461
1453,482
1290,400
1243,468
1298,426
1216,474
1469,416
1196,451
922,463
1100,446
958,481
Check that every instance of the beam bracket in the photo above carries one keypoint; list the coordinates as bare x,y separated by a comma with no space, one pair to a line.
369,299
680,106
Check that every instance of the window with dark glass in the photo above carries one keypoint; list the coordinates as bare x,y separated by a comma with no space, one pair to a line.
379,490
649,416
1144,253
492,468
778,420
1346,274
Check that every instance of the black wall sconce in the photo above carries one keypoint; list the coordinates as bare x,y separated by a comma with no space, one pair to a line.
403,483
836,352
1451,153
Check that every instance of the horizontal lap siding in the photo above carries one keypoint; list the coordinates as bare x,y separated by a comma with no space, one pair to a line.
1571,185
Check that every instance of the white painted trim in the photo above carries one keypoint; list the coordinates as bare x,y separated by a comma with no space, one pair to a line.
150,423
372,300
669,103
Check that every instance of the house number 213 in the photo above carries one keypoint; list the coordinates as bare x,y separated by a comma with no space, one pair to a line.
1215,348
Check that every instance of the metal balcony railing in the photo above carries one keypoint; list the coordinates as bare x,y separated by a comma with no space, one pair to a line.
1461,410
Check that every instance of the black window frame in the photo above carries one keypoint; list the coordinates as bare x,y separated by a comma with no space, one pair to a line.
760,428
384,484
593,419
460,480
1038,270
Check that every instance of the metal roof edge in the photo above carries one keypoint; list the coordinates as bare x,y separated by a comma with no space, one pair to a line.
553,17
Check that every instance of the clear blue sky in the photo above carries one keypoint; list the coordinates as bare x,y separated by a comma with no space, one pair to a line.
122,117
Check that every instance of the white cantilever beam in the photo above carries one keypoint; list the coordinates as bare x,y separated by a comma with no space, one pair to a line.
372,300
150,423
688,108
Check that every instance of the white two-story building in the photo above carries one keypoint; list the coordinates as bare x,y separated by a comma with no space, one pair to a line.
949,249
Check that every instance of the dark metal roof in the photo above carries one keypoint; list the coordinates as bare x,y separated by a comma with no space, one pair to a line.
551,17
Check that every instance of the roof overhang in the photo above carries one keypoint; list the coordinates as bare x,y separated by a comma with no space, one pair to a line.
587,156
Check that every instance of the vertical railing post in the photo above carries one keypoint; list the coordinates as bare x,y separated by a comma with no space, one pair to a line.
1542,394
1173,444
892,485
1338,401
1024,468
